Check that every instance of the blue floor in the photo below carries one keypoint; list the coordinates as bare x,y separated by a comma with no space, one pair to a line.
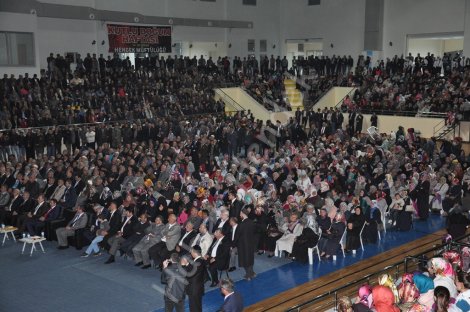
62,281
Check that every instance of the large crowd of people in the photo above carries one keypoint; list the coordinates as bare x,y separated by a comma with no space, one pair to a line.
157,183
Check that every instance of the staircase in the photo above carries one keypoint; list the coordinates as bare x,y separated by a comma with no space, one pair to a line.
441,130
293,95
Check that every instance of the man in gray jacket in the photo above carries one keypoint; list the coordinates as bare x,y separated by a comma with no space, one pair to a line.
153,236
174,276
79,221
170,236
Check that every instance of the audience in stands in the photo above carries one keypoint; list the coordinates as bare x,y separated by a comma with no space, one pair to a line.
255,186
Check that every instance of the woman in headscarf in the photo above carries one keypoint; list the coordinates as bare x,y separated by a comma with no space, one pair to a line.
333,236
373,219
289,202
308,238
291,230
387,281
409,294
443,274
364,299
355,223
384,300
425,287
395,207
439,193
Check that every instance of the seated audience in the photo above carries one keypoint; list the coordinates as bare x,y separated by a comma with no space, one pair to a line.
79,221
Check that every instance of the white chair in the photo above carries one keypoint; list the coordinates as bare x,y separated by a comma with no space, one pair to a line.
384,221
311,250
342,242
360,235
277,252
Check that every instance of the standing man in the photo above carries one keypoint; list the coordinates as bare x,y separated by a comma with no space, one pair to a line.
235,204
245,245
233,301
196,274
174,276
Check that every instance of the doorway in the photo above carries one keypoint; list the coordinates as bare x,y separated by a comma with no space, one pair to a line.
436,44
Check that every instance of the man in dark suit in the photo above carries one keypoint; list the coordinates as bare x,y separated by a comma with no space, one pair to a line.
50,212
235,204
36,212
50,187
21,213
127,230
245,245
325,130
79,184
114,223
223,223
234,234
218,256
183,246
9,214
233,301
70,196
196,274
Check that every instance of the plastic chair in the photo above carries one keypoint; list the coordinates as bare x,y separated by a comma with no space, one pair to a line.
342,242
360,235
311,250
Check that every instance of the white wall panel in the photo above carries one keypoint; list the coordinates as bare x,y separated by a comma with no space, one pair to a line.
337,22
20,23
404,17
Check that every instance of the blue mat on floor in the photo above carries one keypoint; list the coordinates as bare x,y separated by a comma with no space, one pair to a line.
62,281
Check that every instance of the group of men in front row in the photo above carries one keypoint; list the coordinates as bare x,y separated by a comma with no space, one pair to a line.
180,251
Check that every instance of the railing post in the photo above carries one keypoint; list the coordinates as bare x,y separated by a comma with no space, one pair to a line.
336,300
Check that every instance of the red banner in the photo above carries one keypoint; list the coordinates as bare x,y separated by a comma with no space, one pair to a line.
139,39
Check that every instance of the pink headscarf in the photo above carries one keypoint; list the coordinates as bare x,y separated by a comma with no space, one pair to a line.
365,295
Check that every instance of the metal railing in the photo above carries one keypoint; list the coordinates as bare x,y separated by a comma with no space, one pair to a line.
122,121
231,101
403,113
396,268
348,94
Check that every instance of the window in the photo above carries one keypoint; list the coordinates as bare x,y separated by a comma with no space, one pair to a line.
249,2
16,49
263,45
313,2
251,45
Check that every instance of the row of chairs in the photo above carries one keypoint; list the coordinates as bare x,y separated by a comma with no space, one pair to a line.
342,243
